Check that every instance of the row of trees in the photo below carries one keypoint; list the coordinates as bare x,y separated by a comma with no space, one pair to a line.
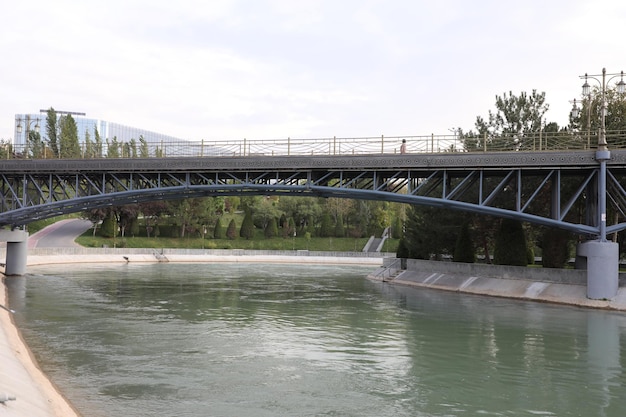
433,233
61,141
276,216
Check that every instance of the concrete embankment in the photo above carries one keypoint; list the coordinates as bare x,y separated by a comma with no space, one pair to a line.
20,377
561,286
47,256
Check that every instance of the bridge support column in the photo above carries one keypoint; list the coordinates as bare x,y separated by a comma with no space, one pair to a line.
602,264
17,251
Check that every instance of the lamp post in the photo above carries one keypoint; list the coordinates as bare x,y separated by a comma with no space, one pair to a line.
27,123
602,152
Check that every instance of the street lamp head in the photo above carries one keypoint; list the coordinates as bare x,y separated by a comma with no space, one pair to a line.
586,87
19,127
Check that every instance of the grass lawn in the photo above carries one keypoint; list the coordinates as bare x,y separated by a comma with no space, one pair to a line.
277,243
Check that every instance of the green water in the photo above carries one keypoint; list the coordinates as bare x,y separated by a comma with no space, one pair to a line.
289,340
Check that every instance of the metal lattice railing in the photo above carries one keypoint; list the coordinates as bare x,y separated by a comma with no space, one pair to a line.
537,141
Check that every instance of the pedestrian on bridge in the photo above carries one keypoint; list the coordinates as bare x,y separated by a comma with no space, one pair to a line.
403,146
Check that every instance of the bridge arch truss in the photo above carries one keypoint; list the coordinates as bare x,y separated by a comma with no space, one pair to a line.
547,188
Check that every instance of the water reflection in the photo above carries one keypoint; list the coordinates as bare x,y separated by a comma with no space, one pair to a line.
282,340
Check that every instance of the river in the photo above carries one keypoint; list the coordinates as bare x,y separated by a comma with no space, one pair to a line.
289,340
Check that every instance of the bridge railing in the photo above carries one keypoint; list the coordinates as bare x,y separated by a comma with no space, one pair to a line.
536,141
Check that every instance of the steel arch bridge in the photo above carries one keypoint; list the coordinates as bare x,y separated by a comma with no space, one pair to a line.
556,189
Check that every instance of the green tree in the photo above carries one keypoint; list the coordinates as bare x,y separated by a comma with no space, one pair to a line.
397,229
403,251
125,216
340,230
588,118
464,249
133,148
98,143
264,211
288,227
144,151
512,126
247,226
109,225
326,228
271,229
511,244
113,148
95,216
431,231
555,247
231,231
231,203
68,140
218,230
36,146
152,212
193,214
90,146
51,131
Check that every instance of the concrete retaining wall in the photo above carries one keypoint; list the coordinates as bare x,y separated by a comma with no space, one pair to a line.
562,286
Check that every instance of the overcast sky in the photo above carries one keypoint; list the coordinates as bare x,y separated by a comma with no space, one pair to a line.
265,69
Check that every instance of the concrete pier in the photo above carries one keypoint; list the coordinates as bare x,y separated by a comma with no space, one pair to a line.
17,251
601,260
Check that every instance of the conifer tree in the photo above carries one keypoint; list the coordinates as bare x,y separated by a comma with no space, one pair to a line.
464,250
247,226
510,244
231,231
218,230
271,230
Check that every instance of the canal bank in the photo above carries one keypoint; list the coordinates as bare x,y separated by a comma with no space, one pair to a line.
560,286
32,393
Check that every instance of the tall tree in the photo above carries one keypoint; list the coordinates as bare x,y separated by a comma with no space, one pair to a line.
152,211
125,216
247,226
588,118
513,124
68,140
231,231
51,131
144,150
113,148
36,147
194,214
90,147
511,246
218,230
431,231
98,143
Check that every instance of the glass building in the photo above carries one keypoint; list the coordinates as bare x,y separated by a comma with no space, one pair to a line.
25,123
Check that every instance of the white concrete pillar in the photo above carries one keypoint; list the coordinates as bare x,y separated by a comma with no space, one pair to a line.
602,262
17,251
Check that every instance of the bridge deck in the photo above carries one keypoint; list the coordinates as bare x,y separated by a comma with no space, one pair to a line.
544,160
